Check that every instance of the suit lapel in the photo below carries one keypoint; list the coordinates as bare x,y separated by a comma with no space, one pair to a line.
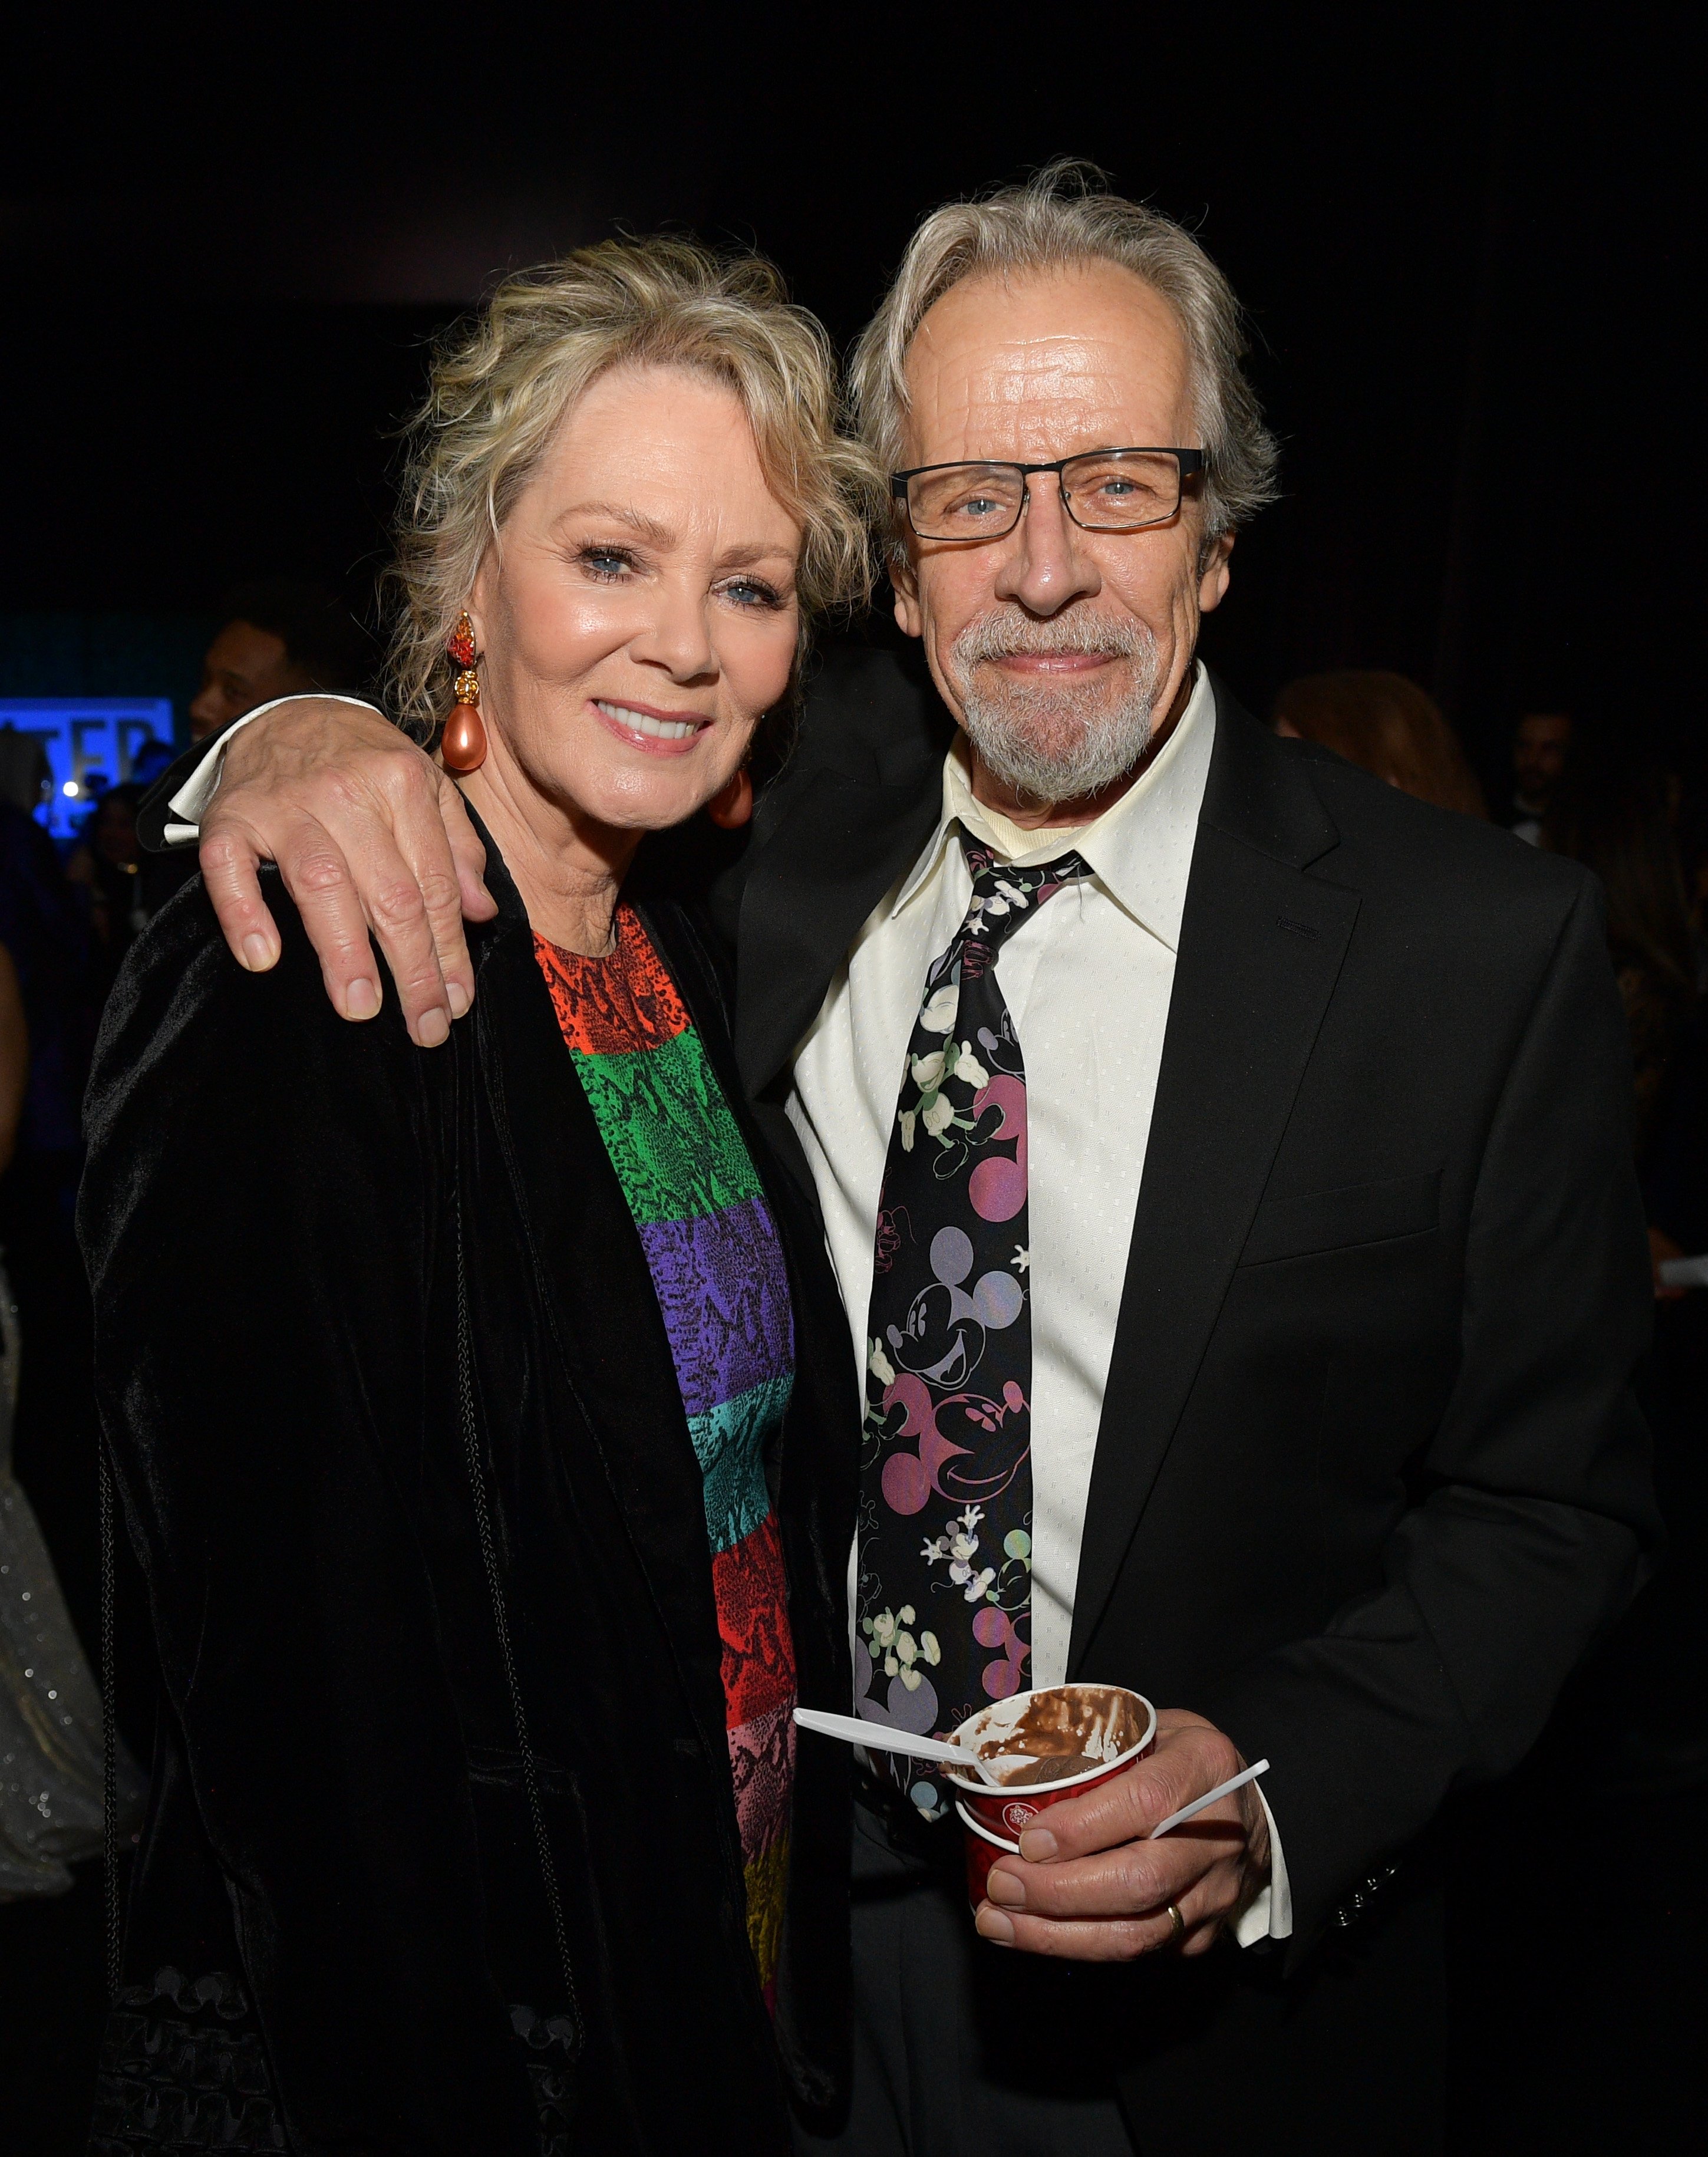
842,843
1261,946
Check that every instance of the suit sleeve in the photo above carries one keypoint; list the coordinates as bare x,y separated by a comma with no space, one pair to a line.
170,814
257,1220
1535,1502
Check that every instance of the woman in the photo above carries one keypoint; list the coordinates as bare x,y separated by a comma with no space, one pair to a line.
516,1375
1386,725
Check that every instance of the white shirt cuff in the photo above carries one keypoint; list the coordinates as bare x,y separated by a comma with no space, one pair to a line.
1270,1917
189,805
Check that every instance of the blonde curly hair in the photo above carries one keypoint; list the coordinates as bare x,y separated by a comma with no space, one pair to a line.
500,386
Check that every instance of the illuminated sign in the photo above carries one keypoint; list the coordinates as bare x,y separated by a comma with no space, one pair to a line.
92,743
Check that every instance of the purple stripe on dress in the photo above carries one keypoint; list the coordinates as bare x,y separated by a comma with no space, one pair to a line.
723,1289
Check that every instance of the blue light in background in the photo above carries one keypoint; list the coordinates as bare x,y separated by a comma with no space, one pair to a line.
87,739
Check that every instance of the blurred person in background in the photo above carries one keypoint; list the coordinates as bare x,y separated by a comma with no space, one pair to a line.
26,777
106,863
150,760
280,638
1692,828
45,931
1541,747
50,1733
1386,724
1645,1696
14,1058
1615,814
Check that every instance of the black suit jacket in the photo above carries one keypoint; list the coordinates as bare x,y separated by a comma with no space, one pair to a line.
1369,1478
338,1929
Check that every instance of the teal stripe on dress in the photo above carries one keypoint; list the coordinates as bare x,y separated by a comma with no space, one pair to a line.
729,1443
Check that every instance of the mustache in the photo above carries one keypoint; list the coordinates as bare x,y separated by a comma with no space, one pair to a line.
1006,636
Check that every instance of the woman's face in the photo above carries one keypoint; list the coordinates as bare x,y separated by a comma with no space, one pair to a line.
638,614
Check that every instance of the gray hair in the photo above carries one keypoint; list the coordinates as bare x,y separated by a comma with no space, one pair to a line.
1062,217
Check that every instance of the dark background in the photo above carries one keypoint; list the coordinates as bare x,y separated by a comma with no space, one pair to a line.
1461,235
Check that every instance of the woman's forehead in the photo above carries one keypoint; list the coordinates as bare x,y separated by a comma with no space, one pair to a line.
668,443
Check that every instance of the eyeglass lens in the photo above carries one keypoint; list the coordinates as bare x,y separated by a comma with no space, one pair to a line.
1108,491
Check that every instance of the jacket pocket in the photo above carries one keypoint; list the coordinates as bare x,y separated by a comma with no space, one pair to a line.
1357,1214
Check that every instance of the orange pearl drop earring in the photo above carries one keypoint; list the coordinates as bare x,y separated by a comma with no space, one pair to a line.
463,744
732,804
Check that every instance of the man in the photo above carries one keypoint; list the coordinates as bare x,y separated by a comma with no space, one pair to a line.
1304,1378
280,639
1540,749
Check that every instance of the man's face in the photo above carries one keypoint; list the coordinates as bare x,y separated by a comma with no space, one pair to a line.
1057,649
1539,754
244,666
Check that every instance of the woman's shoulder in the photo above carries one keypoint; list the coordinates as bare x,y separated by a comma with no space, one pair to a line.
184,1009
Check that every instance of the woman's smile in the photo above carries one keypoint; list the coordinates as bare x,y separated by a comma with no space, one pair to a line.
644,727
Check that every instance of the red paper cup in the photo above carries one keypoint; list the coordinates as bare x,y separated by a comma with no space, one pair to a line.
1109,1720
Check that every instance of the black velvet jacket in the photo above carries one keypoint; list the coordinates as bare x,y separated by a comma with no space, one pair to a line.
339,1937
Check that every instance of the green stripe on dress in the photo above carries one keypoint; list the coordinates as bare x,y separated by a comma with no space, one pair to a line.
670,1137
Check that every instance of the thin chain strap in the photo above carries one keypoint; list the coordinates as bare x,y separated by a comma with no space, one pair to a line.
108,1735
488,1558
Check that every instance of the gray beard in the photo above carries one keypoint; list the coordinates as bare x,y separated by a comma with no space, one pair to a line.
1047,742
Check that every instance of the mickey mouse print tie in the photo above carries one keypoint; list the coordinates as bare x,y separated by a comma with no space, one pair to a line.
944,1600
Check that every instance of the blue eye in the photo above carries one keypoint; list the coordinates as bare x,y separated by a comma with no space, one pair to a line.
749,592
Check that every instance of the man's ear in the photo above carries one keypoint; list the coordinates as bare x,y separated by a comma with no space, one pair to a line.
910,619
1214,576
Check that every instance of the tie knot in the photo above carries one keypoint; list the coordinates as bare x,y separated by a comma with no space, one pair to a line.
1004,896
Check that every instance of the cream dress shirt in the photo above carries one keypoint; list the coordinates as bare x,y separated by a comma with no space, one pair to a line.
1088,979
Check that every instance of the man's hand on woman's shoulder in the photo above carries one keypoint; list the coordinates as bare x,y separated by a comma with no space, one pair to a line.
367,833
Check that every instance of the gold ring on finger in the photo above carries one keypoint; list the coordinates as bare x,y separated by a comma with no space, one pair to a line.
1178,1925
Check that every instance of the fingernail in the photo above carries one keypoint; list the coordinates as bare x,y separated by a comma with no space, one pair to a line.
1005,1887
458,998
361,999
1037,1846
432,1028
992,1925
257,952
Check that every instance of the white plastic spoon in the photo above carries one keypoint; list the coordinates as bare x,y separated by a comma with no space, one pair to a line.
882,1738
1209,1797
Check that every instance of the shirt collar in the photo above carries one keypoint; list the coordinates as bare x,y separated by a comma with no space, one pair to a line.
1139,849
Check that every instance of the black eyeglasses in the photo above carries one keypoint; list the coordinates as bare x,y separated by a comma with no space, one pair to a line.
1102,491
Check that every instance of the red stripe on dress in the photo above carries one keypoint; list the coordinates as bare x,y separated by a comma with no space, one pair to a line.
617,1008
759,1665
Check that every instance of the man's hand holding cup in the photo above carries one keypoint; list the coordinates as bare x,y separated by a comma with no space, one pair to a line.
1090,1885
